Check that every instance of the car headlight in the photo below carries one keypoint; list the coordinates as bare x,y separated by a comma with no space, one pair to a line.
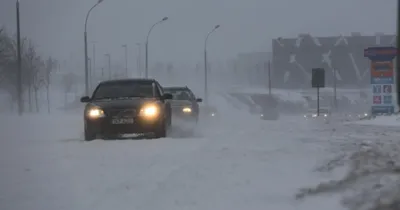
365,114
325,115
149,111
213,114
95,112
187,110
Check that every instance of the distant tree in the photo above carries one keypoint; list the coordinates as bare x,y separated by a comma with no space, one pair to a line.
69,80
7,63
31,63
34,69
51,64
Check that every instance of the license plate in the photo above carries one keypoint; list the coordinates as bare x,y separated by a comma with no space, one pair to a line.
119,121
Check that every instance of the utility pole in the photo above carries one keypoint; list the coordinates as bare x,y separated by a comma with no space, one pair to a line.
205,64
147,46
19,73
86,49
334,89
205,77
90,70
109,65
125,46
269,77
398,50
93,67
138,62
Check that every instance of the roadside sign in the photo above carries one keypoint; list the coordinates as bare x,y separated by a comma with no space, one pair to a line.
382,78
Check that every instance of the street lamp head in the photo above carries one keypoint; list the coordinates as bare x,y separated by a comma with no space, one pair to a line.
99,1
165,18
217,26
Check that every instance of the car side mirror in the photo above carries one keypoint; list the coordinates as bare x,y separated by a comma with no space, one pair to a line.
199,100
85,99
167,96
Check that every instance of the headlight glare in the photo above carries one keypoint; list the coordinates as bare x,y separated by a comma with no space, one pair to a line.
187,110
95,113
149,111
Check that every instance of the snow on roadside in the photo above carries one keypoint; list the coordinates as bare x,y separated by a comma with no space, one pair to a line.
370,157
382,121
239,163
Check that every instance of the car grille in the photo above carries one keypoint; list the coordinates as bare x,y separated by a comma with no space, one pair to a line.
177,108
121,112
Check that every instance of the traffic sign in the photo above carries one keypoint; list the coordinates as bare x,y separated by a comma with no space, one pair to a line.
318,78
377,89
387,100
387,89
377,100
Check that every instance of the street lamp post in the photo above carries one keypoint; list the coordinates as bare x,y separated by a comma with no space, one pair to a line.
147,46
334,89
138,62
86,48
398,50
90,71
19,73
109,65
125,46
93,66
205,64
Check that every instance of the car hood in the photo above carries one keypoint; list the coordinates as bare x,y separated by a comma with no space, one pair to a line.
180,103
122,103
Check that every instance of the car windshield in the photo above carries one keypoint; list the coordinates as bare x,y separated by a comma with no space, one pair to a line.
324,111
124,90
179,94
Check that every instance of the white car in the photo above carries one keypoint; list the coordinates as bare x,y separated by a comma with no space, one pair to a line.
364,116
357,115
313,113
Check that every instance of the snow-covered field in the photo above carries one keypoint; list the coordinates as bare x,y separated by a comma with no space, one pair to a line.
233,162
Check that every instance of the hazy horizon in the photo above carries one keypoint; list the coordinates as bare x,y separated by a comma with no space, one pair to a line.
57,26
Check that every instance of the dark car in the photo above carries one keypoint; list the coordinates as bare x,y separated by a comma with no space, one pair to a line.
128,106
184,103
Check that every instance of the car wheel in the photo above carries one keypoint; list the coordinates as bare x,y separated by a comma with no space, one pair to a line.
161,131
89,135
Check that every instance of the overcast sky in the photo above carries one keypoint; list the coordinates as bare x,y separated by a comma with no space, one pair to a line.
56,26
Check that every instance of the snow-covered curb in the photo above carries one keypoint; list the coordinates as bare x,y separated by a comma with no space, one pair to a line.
381,121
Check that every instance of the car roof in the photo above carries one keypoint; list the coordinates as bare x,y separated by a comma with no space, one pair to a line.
177,88
128,80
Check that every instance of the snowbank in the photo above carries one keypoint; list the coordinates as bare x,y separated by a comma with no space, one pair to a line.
381,121
372,164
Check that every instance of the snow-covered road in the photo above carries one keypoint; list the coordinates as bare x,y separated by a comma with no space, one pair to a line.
230,164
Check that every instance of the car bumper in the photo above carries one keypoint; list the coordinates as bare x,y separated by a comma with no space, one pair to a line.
184,116
315,118
104,126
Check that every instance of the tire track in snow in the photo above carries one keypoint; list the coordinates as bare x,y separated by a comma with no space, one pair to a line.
228,168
